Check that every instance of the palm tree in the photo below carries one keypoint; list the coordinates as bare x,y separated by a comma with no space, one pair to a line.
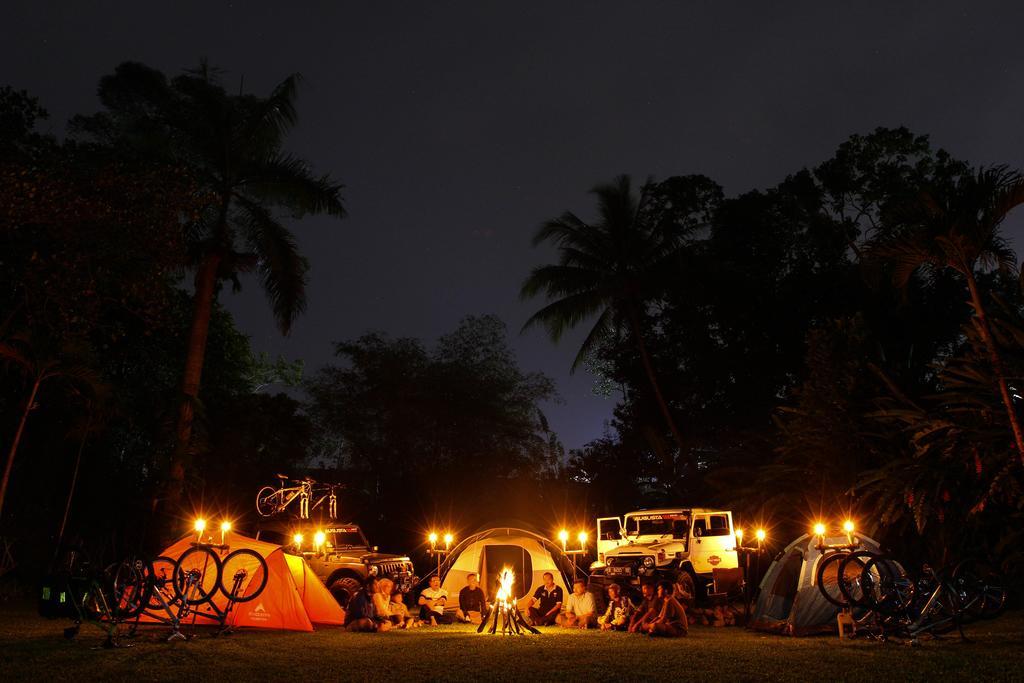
960,229
90,424
231,145
606,269
40,365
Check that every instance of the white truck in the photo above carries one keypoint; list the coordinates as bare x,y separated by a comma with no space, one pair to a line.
651,545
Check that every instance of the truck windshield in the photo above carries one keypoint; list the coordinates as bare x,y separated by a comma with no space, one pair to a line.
348,538
660,527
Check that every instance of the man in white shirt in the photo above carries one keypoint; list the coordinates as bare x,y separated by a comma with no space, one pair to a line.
432,601
580,609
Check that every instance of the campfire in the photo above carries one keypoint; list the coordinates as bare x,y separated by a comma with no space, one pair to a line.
506,609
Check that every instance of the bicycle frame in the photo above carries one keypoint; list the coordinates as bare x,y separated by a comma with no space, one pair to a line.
287,495
332,504
194,580
107,622
924,622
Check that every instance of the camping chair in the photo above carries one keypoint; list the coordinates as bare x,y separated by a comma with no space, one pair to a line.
727,585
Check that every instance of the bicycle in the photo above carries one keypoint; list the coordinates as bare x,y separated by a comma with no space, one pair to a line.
241,576
934,604
271,501
328,491
982,590
88,596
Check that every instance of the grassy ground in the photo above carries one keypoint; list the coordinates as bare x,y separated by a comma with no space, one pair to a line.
32,649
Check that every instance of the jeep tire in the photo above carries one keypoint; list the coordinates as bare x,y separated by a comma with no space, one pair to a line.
344,588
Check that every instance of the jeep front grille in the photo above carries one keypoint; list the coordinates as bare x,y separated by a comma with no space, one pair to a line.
390,568
621,561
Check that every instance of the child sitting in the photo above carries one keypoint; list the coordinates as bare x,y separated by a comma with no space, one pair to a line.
399,613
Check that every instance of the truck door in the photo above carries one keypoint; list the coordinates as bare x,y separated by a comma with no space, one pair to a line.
609,535
712,543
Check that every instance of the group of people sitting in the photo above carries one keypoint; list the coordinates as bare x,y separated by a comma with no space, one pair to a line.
379,607
661,611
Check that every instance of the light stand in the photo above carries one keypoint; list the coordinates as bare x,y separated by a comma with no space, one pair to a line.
746,552
439,552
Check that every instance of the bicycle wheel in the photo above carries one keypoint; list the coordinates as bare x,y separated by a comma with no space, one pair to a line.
885,586
827,577
128,587
197,575
266,501
244,575
849,578
982,591
161,579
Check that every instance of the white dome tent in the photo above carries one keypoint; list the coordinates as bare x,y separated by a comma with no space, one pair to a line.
486,552
789,601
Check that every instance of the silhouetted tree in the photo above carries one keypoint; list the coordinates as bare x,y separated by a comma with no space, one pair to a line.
232,145
614,267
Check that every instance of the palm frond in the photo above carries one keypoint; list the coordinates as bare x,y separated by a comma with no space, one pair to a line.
286,180
564,314
282,270
604,326
277,114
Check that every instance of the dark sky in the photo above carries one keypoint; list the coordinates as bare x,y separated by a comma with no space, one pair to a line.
458,127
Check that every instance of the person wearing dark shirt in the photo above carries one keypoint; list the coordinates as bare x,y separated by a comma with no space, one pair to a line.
472,603
671,621
648,610
548,601
360,614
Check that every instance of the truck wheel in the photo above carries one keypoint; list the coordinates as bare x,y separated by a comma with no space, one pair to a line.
344,588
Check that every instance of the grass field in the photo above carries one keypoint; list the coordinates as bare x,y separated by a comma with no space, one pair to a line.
33,649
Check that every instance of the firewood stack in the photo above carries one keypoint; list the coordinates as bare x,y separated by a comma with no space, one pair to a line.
718,616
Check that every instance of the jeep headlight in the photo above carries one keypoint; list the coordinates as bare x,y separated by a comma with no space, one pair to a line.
648,562
373,570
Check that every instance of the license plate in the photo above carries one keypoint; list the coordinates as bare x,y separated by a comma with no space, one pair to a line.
618,571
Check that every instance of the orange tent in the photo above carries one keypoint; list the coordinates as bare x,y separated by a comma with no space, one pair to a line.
321,607
293,599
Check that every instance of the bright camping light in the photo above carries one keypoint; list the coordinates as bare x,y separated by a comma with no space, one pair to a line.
319,538
759,534
848,526
432,538
563,536
200,525
225,526
582,538
739,537
819,529
448,538
297,540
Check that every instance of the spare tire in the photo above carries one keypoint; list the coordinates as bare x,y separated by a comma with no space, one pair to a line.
344,588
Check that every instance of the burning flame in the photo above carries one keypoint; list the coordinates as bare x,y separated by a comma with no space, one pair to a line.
508,577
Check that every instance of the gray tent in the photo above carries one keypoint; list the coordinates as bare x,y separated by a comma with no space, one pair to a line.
789,601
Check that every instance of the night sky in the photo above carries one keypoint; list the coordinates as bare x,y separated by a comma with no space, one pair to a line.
459,127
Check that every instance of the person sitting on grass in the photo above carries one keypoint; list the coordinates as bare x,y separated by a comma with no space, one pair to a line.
432,601
580,610
472,603
360,614
382,604
647,611
671,620
548,599
620,609
399,613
